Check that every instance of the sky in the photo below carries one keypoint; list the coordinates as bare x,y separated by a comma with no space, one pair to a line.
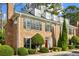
65,5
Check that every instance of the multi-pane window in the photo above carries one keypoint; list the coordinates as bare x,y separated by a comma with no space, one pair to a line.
27,23
37,25
32,24
48,27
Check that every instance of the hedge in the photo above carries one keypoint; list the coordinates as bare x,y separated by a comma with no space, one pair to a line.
44,50
22,51
6,50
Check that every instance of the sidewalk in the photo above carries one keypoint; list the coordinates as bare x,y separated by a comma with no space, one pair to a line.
62,53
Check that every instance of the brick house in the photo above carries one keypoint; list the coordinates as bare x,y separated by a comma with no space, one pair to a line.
21,27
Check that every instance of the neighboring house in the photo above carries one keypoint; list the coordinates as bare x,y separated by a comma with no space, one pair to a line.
77,30
21,27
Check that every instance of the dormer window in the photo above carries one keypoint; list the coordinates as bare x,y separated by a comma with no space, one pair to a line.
37,12
48,15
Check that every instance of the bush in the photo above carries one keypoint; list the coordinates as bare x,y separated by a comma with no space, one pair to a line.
71,47
37,40
57,49
75,40
50,48
77,46
65,48
6,50
22,51
44,50
31,51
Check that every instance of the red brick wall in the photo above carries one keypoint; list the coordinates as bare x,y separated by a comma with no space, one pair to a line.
10,30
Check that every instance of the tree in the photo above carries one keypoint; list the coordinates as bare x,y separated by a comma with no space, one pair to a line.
72,13
56,8
37,40
2,36
63,37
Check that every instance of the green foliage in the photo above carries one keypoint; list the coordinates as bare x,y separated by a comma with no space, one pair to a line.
56,7
37,40
44,50
2,36
57,49
65,48
77,46
22,51
59,41
6,50
63,38
71,46
75,40
72,13
32,51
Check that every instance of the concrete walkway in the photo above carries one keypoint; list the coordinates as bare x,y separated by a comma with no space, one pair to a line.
62,53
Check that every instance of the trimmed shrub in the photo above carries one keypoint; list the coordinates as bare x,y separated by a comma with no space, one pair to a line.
44,50
37,40
71,47
65,48
50,48
75,40
6,50
77,46
22,51
57,49
31,51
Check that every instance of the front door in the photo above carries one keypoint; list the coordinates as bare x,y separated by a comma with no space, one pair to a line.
46,43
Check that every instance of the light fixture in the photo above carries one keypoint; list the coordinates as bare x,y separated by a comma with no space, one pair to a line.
15,22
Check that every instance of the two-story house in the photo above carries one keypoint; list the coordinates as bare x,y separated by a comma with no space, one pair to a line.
21,27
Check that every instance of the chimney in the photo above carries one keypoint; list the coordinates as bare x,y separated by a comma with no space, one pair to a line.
10,10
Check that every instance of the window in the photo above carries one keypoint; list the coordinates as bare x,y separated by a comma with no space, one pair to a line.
70,31
24,24
37,12
27,42
52,17
48,27
36,25
32,24
27,23
48,15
